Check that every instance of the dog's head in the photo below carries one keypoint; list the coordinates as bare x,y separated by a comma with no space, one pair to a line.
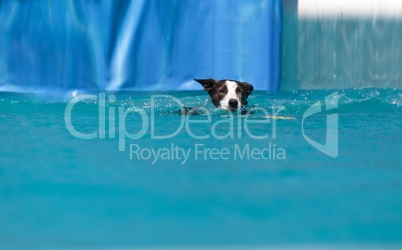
227,94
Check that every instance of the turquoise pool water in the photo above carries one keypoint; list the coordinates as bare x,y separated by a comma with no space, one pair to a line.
57,190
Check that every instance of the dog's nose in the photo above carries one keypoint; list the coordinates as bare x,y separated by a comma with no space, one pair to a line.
233,103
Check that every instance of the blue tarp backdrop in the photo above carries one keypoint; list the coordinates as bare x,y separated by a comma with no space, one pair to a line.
138,44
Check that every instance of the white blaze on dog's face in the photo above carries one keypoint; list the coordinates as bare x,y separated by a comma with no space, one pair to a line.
231,101
227,94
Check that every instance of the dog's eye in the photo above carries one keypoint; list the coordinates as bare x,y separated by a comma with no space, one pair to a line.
221,91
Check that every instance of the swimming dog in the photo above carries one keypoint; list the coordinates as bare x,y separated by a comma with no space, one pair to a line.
228,95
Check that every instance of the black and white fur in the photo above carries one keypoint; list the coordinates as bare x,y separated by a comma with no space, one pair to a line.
228,95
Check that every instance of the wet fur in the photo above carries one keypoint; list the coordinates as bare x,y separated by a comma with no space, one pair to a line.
218,90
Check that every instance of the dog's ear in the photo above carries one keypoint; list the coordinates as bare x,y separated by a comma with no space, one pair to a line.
208,84
248,88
